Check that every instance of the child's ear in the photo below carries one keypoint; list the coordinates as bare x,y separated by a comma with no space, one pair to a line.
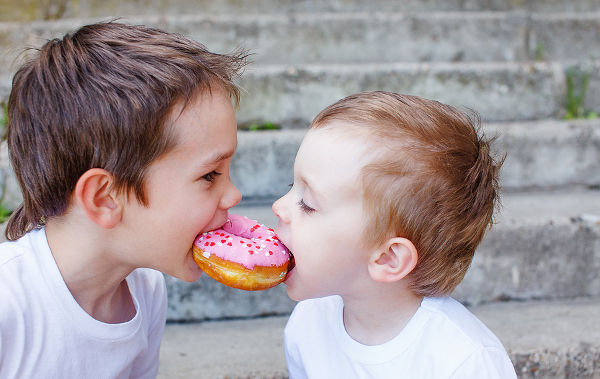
393,261
94,193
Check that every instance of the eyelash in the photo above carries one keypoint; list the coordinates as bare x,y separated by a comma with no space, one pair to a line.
211,176
305,208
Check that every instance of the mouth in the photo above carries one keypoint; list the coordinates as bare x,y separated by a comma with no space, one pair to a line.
290,267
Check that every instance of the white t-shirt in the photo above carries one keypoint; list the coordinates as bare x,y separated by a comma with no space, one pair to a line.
44,333
442,340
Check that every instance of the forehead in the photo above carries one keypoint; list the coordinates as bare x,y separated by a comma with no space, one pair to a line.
205,128
333,158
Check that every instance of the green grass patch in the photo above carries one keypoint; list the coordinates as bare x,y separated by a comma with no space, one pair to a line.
577,85
3,120
258,126
4,213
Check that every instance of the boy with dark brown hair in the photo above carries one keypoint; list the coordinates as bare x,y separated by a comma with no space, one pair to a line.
391,196
121,139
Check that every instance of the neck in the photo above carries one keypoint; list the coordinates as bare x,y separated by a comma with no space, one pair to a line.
95,278
380,316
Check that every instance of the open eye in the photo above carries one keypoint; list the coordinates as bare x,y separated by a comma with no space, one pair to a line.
305,208
211,176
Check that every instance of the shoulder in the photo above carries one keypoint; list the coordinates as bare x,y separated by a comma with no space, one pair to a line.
456,320
19,263
19,278
452,327
16,250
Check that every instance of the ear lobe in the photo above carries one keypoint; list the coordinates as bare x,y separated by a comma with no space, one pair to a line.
94,193
397,258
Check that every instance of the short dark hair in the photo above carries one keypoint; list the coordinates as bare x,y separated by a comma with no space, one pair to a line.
432,180
99,98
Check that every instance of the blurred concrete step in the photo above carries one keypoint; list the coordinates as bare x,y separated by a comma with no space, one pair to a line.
396,37
508,91
544,246
546,154
292,95
545,339
361,37
540,154
29,10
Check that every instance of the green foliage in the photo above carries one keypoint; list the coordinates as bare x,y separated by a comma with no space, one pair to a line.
3,120
4,213
539,51
255,126
577,85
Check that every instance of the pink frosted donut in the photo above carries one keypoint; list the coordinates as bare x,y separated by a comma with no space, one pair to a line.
242,254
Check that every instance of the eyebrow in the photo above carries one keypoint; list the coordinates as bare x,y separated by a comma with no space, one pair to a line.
218,157
214,159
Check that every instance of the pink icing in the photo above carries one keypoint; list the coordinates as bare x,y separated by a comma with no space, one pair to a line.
244,241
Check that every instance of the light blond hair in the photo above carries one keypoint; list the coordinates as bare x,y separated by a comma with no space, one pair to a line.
432,180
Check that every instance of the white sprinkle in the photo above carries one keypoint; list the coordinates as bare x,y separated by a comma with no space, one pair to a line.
206,254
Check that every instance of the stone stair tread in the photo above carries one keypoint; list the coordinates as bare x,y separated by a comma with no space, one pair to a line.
499,91
73,8
330,14
541,154
553,338
310,37
523,207
547,206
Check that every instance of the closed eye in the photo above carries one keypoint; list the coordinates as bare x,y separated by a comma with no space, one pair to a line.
305,208
211,176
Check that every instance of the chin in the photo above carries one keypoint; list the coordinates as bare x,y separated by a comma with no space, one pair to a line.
190,272
190,276
294,295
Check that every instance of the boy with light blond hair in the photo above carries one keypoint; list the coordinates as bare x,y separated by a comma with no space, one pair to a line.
391,196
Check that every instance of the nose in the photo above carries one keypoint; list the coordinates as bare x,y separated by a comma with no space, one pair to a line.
231,197
281,210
